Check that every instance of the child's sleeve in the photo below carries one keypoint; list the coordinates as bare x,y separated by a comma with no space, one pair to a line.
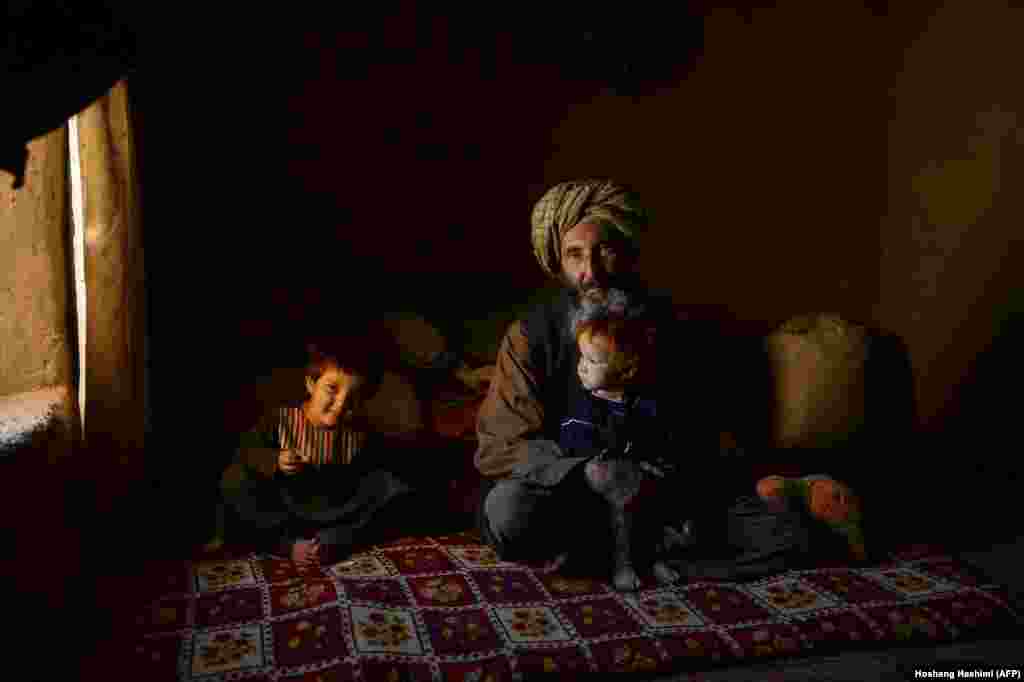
261,435
259,447
249,482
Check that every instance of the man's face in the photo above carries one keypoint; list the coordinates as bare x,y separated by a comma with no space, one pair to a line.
594,257
332,397
594,368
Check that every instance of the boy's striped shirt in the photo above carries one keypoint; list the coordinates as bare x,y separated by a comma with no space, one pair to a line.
318,446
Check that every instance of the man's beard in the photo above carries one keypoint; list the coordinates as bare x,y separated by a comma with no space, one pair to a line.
585,303
597,293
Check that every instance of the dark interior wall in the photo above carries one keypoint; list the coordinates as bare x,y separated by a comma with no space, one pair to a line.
951,234
763,167
338,167
414,152
952,252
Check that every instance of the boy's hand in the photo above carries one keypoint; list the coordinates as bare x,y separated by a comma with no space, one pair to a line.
289,462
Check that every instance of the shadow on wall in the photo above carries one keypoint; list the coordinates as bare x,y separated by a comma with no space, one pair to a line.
890,405
981,437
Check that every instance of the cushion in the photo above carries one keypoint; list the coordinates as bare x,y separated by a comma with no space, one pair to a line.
818,365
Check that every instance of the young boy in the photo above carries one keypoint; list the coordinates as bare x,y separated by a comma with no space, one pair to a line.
309,480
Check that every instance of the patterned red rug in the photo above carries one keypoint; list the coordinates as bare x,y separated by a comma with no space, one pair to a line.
446,609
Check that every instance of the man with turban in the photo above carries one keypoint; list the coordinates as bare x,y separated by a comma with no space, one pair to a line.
536,502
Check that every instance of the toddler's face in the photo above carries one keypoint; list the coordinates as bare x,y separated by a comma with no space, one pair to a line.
332,397
594,368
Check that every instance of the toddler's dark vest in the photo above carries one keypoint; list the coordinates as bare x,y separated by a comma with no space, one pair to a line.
554,355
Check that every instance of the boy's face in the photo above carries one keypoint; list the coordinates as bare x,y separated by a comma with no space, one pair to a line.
594,369
332,397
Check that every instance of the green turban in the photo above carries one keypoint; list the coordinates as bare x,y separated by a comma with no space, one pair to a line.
568,204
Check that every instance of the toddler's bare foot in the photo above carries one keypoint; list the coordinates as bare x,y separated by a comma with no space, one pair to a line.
305,554
626,579
664,574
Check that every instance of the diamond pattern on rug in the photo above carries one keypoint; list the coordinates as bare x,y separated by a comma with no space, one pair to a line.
909,622
377,592
561,660
664,610
417,560
218,575
385,631
396,670
727,605
697,647
234,606
909,582
362,566
297,595
791,596
561,587
447,608
850,587
309,638
632,655
835,630
523,624
278,570
229,650
478,556
496,668
343,672
602,616
443,590
453,633
771,639
502,587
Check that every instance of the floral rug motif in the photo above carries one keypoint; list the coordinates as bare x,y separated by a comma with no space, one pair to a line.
446,608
